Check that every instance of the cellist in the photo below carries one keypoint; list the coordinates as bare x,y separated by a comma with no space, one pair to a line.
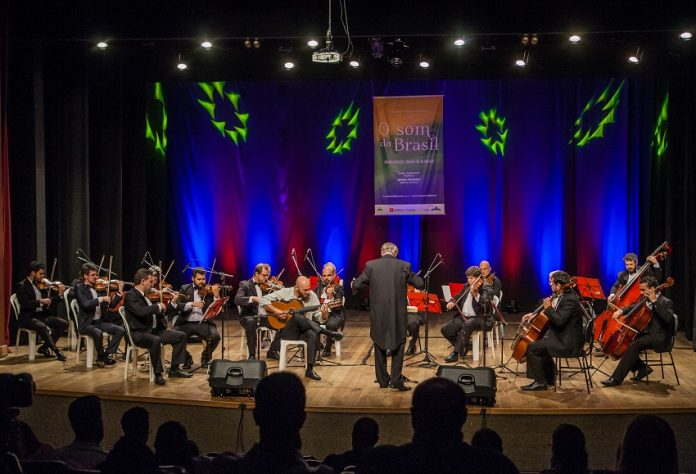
657,335
563,338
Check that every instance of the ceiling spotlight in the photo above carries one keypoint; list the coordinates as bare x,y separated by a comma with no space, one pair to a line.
574,39
524,40
637,57
289,65
686,35
459,42
423,61
181,66
354,63
312,43
523,60
520,63
247,43
534,40
396,55
102,45
206,45
256,43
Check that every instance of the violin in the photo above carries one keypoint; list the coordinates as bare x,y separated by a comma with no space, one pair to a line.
165,295
103,283
208,289
46,284
271,285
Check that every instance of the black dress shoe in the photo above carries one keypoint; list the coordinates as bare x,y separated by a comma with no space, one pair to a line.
179,373
108,360
205,363
251,357
272,355
336,336
60,356
452,357
410,351
400,387
45,351
535,386
311,374
325,353
610,382
159,380
642,373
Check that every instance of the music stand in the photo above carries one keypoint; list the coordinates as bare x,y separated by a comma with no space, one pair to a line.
213,310
423,304
590,289
428,359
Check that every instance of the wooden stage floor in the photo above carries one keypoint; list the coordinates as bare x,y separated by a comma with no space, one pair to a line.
350,388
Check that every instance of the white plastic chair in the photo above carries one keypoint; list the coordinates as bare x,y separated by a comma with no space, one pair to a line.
133,351
72,329
284,344
31,334
89,343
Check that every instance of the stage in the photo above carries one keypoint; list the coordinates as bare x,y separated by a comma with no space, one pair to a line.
348,391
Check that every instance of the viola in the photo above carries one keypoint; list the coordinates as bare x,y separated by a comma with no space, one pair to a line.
534,328
630,325
628,294
476,284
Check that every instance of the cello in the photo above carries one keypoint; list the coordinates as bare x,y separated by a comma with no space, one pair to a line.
534,328
630,325
604,324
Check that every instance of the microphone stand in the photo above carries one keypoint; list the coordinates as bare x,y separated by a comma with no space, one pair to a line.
428,360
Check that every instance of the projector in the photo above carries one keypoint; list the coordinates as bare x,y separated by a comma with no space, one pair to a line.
330,57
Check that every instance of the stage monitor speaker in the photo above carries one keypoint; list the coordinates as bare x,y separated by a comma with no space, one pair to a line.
235,378
479,384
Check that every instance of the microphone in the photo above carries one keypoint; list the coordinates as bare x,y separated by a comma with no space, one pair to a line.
292,252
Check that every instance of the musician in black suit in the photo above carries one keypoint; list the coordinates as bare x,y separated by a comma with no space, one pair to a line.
92,311
191,308
328,290
473,314
35,311
148,327
388,277
247,298
492,281
631,264
563,338
656,336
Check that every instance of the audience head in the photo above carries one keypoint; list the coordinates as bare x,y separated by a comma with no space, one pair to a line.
568,453
85,416
438,410
172,444
365,433
488,439
648,446
280,405
136,424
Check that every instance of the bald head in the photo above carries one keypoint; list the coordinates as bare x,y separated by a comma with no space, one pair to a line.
302,282
485,267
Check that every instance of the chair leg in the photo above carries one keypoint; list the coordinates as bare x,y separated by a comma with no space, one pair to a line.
89,344
674,367
127,364
31,338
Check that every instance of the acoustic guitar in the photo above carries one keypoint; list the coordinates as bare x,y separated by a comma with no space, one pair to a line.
292,308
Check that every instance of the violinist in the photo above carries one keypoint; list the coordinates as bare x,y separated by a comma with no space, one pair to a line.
327,290
471,315
149,329
492,280
35,310
247,299
657,335
563,338
631,264
303,326
194,300
92,311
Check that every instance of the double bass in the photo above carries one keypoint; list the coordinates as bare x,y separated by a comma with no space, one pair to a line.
533,329
604,324
630,325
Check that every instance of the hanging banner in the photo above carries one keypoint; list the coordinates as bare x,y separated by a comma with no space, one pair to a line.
409,159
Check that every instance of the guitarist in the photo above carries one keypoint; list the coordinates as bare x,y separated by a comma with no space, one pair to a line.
657,336
563,338
301,326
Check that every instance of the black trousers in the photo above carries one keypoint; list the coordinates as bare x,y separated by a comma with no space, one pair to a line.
206,330
152,341
397,355
631,359
249,325
413,324
458,331
334,323
96,331
303,329
42,323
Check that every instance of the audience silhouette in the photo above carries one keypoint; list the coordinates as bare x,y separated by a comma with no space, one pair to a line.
85,452
365,436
